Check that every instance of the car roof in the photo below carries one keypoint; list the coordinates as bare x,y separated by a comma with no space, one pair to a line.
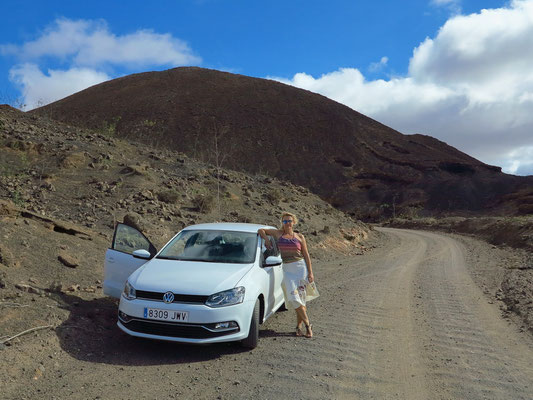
229,226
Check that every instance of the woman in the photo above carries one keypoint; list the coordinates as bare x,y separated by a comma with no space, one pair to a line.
296,268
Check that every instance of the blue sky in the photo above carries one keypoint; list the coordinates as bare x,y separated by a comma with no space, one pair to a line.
456,70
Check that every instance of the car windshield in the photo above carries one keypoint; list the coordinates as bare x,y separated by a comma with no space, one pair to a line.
212,246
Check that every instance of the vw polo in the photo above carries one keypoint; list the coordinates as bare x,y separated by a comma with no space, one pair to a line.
210,283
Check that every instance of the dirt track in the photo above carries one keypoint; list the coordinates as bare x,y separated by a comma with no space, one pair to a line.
405,321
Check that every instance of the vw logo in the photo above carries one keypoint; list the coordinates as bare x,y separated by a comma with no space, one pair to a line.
168,297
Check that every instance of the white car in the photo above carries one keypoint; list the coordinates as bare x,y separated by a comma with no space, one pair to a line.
210,283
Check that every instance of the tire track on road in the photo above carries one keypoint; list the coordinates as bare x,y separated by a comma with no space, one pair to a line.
470,349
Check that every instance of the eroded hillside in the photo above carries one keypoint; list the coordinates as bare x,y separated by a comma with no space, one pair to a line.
260,126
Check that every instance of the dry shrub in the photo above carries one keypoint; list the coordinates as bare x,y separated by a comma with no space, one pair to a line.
204,203
72,160
274,196
168,196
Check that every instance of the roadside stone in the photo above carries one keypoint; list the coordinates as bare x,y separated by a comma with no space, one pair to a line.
133,170
27,288
68,260
7,208
147,194
349,236
6,257
135,221
73,288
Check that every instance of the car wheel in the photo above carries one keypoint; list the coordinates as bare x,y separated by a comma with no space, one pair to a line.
253,335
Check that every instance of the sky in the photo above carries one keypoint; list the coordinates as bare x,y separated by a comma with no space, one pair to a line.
458,70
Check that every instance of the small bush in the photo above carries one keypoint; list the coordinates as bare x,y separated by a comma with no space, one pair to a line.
18,199
168,196
204,203
55,287
109,128
274,196
149,123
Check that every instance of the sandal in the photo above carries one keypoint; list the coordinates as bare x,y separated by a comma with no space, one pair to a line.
309,331
299,331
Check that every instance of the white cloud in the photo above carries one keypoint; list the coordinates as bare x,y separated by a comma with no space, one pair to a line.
453,5
377,66
90,53
470,86
39,89
521,161
90,43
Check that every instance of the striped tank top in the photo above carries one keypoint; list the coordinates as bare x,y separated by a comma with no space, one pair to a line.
291,249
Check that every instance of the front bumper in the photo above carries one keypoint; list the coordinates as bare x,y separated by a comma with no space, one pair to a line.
200,328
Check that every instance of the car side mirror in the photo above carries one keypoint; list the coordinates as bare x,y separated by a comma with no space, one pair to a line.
273,261
145,255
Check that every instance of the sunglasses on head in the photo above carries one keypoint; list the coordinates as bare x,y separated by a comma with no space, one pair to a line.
287,221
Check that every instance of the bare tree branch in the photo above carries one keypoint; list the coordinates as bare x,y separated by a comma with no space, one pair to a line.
7,304
37,328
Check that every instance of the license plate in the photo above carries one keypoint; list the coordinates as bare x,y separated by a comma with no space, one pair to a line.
166,315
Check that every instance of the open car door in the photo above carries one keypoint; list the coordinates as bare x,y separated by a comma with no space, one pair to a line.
119,260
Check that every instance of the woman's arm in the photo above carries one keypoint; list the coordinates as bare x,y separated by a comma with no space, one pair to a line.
264,232
305,252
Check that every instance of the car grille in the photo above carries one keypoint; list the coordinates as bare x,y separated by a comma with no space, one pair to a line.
188,331
178,298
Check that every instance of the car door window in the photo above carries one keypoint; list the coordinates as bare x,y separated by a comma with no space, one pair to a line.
128,239
274,251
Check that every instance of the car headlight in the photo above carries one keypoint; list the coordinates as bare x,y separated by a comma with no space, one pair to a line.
226,298
129,292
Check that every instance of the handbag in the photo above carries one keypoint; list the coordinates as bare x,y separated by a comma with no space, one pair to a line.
311,291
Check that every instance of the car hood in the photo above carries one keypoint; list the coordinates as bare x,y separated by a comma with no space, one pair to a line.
187,277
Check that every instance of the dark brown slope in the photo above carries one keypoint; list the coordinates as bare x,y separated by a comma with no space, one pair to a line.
259,125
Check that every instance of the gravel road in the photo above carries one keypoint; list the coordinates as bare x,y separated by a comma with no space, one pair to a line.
405,321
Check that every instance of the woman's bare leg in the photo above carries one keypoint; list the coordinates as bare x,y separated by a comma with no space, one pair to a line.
298,325
302,314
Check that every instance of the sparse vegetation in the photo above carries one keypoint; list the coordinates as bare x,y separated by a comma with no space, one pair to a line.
204,203
109,128
16,196
169,196
148,123
274,196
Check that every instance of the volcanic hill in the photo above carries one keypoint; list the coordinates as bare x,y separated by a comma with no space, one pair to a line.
256,125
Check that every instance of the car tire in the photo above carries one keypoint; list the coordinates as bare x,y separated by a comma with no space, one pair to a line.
253,334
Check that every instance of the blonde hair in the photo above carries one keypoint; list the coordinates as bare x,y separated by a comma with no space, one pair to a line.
288,214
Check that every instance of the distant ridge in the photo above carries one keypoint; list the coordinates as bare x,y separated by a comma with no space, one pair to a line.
262,126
